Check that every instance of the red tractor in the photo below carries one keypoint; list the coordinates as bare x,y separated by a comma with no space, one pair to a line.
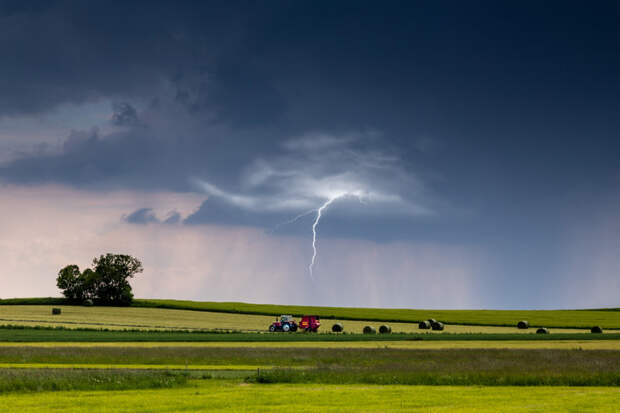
286,324
310,323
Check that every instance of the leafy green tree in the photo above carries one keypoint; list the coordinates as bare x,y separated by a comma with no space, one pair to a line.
107,284
69,282
112,274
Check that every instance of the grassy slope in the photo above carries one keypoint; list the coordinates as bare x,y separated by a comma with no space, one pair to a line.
120,318
547,318
219,396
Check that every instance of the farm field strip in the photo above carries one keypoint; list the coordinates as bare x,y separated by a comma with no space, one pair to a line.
456,344
235,396
120,318
546,318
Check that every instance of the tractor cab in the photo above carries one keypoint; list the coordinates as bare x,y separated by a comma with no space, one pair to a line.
286,319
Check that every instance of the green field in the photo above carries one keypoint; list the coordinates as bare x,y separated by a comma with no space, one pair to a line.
606,318
238,396
121,318
164,355
347,365
404,344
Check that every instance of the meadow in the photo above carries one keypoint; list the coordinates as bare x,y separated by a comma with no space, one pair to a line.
197,357
580,319
138,318
349,365
239,396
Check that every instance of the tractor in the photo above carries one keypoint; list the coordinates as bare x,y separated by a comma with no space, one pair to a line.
310,323
285,323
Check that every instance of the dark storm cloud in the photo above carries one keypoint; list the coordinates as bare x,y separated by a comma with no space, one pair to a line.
516,96
142,216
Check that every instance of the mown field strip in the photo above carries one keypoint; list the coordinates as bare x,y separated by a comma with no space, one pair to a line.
120,318
140,314
134,366
468,344
547,318
234,396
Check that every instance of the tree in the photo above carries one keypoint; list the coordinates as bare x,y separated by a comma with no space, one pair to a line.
112,274
69,282
107,284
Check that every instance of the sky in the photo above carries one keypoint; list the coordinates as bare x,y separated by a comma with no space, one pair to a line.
461,154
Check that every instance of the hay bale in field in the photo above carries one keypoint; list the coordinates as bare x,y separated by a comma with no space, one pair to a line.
437,325
370,330
424,325
432,321
385,329
337,328
88,303
56,311
523,325
596,330
542,330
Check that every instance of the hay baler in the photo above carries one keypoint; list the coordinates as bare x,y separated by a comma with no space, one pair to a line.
310,323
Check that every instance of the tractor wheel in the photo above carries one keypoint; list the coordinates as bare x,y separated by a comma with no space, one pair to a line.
293,328
286,328
272,328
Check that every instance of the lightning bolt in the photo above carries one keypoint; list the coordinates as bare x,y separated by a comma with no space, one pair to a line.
319,212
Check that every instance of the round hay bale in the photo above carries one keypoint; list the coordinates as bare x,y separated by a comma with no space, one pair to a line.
596,330
337,328
542,330
424,325
88,303
437,325
385,329
432,321
370,330
56,311
523,325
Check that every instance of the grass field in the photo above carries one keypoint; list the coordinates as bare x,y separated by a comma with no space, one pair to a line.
606,318
347,365
28,334
120,318
50,379
236,396
197,357
417,344
537,318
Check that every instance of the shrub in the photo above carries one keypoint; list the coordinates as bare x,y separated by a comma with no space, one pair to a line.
337,328
56,311
385,329
370,330
596,330
523,325
542,330
424,325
